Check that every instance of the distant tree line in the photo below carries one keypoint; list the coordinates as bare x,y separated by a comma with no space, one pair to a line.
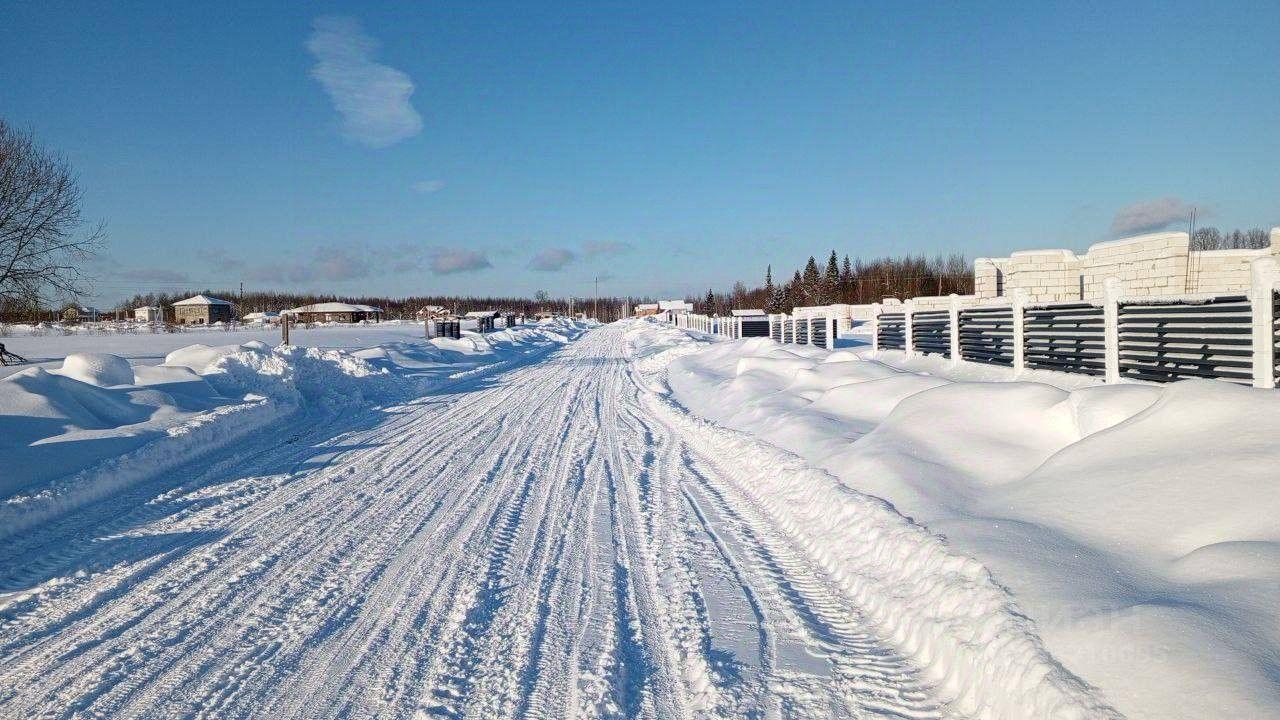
1211,238
609,308
847,281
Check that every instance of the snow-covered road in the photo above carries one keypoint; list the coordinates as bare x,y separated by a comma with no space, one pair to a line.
535,543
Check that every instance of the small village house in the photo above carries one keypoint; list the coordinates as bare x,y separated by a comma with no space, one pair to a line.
147,314
338,312
427,312
261,318
76,313
484,319
201,310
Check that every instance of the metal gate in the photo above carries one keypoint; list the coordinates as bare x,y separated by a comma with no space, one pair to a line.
986,335
755,328
931,332
1068,338
891,332
1172,341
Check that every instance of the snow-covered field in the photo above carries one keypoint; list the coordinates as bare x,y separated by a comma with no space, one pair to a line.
628,520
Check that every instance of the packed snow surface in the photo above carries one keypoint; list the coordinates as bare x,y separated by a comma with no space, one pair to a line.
1134,525
563,520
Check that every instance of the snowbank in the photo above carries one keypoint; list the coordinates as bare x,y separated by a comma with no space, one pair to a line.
1133,524
73,434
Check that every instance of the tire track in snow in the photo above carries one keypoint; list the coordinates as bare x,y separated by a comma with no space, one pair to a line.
536,545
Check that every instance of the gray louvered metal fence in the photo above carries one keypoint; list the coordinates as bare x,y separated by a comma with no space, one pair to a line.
755,327
819,332
891,331
931,332
1067,337
802,332
986,335
1164,342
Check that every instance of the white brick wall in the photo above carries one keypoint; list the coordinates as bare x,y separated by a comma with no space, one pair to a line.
1155,264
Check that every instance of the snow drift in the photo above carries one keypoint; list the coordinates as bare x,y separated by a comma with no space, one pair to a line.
71,435
1132,524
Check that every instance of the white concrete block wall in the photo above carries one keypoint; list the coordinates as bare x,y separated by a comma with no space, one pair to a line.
1154,264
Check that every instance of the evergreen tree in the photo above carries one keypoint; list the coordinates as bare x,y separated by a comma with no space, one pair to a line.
846,281
768,290
711,302
811,285
831,281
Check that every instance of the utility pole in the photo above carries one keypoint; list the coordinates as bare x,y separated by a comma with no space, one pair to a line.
595,301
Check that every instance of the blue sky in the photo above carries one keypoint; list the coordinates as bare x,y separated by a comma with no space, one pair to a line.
666,147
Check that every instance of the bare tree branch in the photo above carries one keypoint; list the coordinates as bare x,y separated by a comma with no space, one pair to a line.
43,240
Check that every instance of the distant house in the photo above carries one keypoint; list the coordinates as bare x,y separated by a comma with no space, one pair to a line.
431,311
645,309
484,319
201,310
334,312
675,307
80,313
262,317
147,314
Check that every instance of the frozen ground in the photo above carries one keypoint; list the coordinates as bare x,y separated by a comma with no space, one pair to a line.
547,523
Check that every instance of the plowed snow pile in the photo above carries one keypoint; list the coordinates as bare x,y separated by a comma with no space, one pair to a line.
1134,525
73,434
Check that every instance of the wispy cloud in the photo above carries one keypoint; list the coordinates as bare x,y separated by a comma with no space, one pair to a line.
152,274
605,248
552,259
426,187
1152,215
447,261
220,260
373,99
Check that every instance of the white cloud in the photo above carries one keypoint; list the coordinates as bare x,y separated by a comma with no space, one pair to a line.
552,259
372,99
1153,215
426,187
447,261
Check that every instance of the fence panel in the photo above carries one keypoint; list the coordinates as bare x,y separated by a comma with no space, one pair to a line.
755,328
1068,338
1172,341
775,328
802,332
892,330
1275,333
986,335
820,332
931,332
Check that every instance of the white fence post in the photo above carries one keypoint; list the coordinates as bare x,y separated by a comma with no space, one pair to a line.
953,319
831,331
1265,274
875,327
908,344
1111,328
1018,313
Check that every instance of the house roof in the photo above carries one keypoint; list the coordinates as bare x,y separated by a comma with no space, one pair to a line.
333,307
201,300
482,313
261,315
747,313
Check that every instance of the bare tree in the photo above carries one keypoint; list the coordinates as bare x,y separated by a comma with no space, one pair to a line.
43,239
